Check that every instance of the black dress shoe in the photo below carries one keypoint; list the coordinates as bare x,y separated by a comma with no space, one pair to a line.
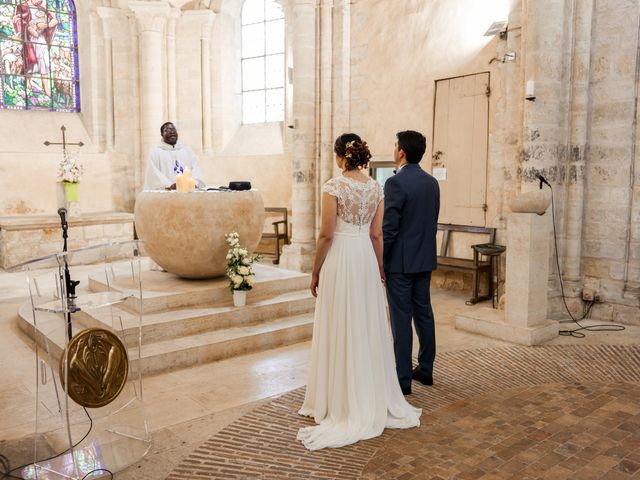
406,390
423,378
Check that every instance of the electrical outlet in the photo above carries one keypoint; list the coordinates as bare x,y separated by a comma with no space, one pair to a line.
598,297
587,295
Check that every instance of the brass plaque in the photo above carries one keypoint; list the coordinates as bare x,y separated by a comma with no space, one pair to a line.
97,367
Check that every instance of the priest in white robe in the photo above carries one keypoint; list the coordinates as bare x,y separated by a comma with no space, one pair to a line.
168,159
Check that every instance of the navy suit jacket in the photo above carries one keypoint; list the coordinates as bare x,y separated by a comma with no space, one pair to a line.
411,208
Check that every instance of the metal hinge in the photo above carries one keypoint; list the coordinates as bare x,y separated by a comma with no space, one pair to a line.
488,91
484,207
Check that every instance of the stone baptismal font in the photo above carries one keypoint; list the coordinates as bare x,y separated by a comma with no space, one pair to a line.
184,233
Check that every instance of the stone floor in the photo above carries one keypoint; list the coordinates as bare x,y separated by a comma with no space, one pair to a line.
480,387
490,415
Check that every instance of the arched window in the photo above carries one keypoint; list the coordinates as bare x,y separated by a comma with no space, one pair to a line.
39,54
262,61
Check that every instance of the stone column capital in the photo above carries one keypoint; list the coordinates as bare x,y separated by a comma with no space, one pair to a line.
151,16
174,14
204,17
109,15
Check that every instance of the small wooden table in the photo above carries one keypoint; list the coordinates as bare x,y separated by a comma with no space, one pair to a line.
493,251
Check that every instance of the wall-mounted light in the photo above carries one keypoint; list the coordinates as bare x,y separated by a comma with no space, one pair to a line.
530,91
510,56
497,28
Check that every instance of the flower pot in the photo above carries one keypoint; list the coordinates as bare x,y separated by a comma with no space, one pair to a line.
67,196
71,191
239,298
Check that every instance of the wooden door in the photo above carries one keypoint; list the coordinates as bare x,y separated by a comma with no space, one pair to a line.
460,139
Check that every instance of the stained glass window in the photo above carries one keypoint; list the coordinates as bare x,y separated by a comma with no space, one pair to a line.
39,54
262,61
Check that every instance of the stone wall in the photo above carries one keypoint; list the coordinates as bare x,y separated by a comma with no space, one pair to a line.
611,218
124,101
580,132
368,66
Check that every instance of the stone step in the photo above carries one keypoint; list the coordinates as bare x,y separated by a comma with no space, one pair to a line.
163,291
216,345
185,322
190,321
245,332
50,331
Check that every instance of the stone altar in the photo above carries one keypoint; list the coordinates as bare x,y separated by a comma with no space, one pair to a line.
184,232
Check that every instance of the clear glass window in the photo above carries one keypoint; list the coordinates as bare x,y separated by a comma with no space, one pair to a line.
263,70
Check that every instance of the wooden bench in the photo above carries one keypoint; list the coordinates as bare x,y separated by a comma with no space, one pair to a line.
280,230
476,265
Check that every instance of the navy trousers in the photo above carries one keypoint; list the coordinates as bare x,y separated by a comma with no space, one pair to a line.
409,297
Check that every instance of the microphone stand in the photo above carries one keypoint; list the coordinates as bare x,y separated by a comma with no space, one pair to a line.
70,285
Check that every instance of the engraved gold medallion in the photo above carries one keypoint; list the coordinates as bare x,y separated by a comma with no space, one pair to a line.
97,367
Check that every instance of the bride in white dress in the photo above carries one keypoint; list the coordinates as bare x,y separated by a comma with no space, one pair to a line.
353,391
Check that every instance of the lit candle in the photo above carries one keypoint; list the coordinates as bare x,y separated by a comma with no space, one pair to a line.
179,182
188,183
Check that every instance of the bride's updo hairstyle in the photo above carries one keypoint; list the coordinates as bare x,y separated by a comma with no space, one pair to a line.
355,152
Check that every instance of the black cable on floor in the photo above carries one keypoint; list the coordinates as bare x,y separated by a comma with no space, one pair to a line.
8,473
577,332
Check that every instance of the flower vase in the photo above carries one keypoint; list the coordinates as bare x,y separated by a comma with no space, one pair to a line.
67,196
239,298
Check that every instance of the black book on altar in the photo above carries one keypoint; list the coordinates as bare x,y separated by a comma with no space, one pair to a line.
239,185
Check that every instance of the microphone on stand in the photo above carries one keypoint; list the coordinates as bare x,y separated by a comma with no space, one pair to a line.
63,221
542,180
70,285
63,216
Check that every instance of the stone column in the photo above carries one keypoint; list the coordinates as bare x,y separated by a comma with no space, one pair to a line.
545,119
97,101
547,37
300,254
151,18
578,132
205,61
341,72
325,165
139,163
108,16
524,320
172,94
205,20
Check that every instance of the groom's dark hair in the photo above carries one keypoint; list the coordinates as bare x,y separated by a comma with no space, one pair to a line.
413,144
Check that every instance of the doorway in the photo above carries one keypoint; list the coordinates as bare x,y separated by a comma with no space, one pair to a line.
460,140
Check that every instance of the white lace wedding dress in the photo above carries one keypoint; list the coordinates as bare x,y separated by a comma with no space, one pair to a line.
353,391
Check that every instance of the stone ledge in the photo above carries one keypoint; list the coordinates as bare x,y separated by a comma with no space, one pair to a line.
492,323
24,237
34,222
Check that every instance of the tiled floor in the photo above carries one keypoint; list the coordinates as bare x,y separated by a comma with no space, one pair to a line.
557,412
187,407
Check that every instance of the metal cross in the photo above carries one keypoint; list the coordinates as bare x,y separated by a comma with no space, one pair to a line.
64,141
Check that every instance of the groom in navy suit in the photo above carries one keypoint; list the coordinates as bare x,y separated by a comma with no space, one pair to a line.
411,207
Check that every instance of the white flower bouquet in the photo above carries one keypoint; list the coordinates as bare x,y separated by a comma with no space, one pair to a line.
239,264
70,170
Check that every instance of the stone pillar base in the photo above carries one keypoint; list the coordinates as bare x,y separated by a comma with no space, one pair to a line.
492,323
298,257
